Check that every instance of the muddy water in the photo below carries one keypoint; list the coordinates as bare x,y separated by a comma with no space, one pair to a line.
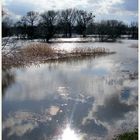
92,98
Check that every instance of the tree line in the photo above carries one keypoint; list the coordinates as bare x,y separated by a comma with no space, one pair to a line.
65,23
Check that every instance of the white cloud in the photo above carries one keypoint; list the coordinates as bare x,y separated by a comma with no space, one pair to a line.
12,15
42,5
103,5
106,5
103,9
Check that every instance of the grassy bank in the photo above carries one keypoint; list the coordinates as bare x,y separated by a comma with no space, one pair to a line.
43,52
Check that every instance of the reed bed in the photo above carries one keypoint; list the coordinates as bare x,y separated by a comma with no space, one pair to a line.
38,49
89,51
41,52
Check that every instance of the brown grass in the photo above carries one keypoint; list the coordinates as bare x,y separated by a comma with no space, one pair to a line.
134,46
42,52
36,50
89,51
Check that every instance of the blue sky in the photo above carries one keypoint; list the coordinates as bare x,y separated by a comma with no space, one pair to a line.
125,10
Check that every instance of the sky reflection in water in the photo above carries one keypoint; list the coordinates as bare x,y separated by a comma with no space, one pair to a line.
85,99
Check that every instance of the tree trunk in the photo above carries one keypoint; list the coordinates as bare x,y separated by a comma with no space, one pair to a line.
70,30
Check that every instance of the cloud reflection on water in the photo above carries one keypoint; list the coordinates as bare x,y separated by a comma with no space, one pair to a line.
98,93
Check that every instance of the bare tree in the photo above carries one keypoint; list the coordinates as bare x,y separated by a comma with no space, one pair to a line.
7,22
110,30
83,20
134,30
48,24
4,12
68,19
21,28
31,17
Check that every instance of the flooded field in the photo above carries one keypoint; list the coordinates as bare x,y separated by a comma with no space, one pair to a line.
80,99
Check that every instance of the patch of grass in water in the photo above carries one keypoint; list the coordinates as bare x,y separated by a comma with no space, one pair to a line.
42,52
35,50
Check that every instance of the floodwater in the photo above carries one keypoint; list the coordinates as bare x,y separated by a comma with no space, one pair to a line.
86,99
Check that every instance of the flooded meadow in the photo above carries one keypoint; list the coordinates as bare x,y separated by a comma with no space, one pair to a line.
77,99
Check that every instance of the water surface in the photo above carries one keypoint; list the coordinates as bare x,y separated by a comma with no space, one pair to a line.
86,99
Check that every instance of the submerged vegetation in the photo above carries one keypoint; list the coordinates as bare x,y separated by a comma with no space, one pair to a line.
41,52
